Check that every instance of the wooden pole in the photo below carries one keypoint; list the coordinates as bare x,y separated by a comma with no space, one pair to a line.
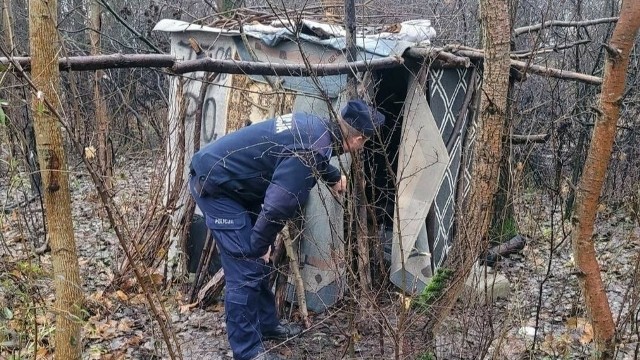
122,61
454,57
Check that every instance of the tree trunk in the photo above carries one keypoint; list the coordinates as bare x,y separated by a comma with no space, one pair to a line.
504,226
473,224
590,186
46,78
19,123
105,161
6,28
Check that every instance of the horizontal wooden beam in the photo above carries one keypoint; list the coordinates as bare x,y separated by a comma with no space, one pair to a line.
120,61
439,54
449,55
264,68
98,62
521,66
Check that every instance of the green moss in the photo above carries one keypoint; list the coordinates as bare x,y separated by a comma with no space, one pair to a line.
434,288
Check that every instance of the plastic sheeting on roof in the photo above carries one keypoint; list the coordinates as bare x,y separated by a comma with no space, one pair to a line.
386,43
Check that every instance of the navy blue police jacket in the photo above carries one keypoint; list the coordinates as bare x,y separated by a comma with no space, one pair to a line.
274,163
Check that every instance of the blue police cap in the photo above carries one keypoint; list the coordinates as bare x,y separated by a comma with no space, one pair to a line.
362,117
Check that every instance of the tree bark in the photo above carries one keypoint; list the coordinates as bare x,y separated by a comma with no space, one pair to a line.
503,225
57,201
105,161
473,223
352,50
590,185
294,263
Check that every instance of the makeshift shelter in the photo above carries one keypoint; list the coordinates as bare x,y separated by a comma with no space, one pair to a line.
416,163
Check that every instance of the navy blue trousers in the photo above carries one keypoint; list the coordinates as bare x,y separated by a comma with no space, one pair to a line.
249,303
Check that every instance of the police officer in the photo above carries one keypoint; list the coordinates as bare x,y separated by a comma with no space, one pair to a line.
248,184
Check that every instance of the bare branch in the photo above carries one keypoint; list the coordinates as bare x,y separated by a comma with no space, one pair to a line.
526,139
529,53
438,54
559,23
519,65
351,50
556,73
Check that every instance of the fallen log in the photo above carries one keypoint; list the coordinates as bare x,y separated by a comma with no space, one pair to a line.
509,247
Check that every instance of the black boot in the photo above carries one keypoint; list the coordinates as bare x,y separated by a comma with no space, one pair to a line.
282,332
